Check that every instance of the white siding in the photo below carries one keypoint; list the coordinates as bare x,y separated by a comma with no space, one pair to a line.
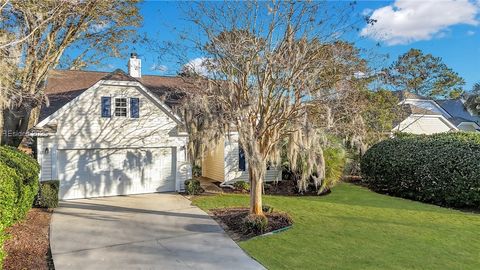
183,168
81,126
232,174
423,125
467,127
82,130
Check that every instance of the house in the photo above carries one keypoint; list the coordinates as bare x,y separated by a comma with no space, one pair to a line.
429,116
226,163
108,134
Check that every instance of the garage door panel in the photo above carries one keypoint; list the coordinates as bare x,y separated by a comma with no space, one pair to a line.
110,172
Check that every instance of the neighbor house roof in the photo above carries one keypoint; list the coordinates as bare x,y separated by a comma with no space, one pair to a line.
456,108
412,109
402,95
65,85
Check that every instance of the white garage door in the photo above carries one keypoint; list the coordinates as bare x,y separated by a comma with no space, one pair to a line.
109,172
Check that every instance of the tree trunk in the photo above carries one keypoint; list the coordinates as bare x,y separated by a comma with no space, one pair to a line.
15,124
2,130
255,191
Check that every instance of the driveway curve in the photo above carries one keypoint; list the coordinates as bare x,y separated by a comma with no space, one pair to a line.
148,231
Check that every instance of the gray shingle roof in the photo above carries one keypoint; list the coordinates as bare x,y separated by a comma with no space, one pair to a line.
458,111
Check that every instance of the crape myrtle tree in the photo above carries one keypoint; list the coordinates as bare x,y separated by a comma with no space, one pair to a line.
34,36
263,61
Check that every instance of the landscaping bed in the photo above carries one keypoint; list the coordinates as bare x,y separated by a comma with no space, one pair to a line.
27,246
230,220
284,188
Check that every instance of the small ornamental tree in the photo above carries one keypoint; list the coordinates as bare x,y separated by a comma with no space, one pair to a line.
263,61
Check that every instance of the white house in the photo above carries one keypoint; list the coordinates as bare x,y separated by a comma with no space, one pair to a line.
429,116
107,134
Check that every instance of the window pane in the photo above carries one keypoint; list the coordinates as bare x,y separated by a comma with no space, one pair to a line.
241,159
134,108
106,101
121,107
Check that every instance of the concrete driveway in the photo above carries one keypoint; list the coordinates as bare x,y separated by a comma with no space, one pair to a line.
151,231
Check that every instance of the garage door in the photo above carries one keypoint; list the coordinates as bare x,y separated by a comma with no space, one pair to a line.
109,172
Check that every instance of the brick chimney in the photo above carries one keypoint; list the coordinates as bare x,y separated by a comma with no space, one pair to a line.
134,66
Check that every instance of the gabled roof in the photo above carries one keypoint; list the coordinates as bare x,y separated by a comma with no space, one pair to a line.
64,85
412,109
402,95
456,108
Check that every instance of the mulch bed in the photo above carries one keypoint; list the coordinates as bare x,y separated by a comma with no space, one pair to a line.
231,221
28,246
284,188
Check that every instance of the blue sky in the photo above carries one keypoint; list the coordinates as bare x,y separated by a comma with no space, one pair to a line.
446,28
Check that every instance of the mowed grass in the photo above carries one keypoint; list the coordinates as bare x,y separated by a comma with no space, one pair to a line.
355,228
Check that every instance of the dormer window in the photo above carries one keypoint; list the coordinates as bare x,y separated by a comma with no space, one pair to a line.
121,107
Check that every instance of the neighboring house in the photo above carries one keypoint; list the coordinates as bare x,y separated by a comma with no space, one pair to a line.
107,134
429,116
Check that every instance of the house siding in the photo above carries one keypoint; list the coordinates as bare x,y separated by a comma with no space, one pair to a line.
423,125
81,127
232,173
213,165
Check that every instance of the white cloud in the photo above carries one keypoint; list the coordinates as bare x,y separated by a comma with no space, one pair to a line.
157,67
470,32
407,21
198,66
98,27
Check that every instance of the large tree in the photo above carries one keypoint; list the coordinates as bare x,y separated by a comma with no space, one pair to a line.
264,61
41,32
423,74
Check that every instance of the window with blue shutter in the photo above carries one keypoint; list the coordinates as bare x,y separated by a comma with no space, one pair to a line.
106,106
241,159
134,107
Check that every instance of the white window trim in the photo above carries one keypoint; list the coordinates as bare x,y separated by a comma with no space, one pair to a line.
115,106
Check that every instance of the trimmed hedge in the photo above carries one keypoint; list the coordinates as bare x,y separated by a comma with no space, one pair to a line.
442,169
48,195
18,187
192,187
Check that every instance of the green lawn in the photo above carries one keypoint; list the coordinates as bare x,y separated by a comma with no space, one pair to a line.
354,228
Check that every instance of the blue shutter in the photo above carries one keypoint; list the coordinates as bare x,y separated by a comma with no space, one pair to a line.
134,108
241,159
106,106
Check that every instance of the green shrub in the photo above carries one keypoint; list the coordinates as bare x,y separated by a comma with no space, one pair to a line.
255,224
18,187
267,209
192,187
48,195
241,186
26,185
335,158
442,169
26,166
196,171
9,187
